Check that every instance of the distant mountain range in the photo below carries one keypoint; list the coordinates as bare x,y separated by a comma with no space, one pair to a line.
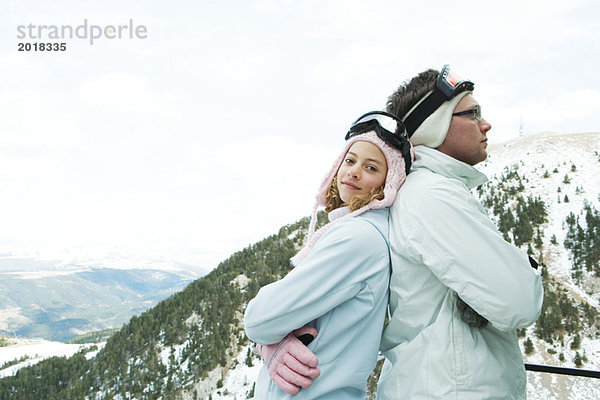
544,195
61,303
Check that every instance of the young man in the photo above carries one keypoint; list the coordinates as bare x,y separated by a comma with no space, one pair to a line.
458,290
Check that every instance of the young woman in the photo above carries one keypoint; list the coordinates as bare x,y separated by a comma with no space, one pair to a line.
339,287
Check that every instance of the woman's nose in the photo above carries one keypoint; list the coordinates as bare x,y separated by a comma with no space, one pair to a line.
354,171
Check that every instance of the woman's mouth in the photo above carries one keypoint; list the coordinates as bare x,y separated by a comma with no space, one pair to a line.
350,185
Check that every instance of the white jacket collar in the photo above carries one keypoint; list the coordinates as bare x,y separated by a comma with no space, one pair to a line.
444,165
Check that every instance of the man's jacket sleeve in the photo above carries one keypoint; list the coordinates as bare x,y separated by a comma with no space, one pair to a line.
453,236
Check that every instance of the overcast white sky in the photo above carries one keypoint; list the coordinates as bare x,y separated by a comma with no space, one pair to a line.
217,128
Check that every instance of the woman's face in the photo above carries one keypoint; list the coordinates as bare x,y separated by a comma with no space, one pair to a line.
363,169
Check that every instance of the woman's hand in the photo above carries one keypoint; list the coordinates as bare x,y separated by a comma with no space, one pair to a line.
291,364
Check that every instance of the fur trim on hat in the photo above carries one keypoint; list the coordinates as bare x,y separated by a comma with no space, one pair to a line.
396,175
433,130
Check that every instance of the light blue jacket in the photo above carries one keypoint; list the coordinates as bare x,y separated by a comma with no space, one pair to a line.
341,289
442,245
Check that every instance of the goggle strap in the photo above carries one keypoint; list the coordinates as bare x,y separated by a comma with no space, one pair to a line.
423,110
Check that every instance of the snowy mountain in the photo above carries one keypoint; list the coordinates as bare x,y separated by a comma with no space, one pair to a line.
543,194
563,171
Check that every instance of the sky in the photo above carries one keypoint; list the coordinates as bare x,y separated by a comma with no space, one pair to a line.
214,126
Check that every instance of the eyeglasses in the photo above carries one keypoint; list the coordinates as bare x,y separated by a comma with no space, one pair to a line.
388,128
447,87
475,111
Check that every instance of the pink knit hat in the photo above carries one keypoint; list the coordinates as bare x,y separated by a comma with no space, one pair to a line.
396,175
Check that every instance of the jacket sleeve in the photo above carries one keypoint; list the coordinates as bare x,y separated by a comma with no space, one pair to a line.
451,234
334,272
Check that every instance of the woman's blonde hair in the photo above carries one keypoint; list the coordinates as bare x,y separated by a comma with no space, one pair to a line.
333,199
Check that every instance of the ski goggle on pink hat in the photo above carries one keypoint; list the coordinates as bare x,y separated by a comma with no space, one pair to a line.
388,128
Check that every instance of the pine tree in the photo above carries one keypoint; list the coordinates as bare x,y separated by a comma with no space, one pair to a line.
528,346
577,360
249,362
576,343
538,240
523,231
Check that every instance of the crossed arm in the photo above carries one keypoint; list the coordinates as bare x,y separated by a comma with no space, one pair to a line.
333,273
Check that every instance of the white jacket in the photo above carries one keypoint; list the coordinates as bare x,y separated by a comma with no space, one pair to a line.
340,289
443,244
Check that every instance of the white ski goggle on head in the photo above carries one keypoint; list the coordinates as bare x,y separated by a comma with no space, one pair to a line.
448,86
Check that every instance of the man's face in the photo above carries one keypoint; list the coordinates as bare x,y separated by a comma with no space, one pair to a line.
466,139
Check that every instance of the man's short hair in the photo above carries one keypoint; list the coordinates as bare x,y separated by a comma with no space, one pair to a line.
410,92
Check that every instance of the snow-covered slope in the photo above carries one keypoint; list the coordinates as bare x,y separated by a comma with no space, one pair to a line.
557,167
554,155
24,352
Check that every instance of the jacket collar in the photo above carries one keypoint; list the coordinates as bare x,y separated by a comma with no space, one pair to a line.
444,165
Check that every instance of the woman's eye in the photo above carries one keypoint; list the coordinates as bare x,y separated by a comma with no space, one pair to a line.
372,168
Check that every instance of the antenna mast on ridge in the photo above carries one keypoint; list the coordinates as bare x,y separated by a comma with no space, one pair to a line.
521,133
